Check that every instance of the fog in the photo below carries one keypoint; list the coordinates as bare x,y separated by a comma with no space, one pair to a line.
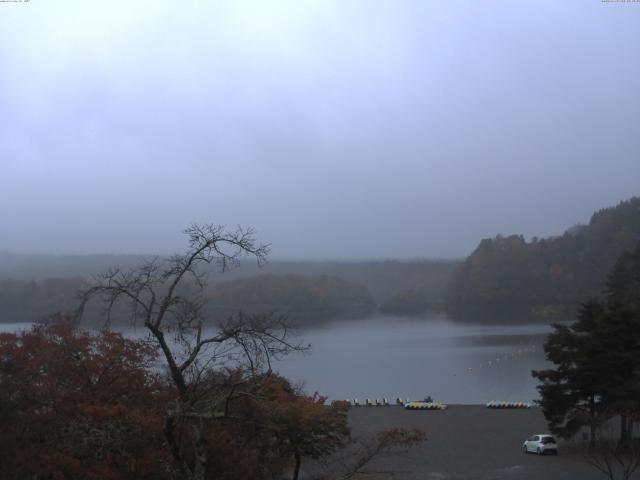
337,129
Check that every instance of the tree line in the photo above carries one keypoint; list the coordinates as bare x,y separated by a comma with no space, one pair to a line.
542,276
354,289
304,299
546,275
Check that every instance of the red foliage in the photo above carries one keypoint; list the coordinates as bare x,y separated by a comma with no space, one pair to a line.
303,425
268,428
79,405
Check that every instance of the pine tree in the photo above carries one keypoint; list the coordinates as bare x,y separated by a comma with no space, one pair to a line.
597,360
569,393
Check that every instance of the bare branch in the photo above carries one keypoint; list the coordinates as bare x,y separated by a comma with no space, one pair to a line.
167,295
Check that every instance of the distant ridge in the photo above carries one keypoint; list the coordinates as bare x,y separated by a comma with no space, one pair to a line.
30,267
546,275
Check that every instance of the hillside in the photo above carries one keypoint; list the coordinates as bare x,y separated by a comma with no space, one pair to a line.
303,299
34,286
546,275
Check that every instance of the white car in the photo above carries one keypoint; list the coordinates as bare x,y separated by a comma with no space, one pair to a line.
540,444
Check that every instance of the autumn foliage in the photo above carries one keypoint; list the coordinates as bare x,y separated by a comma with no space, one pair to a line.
196,402
95,406
79,405
269,428
303,425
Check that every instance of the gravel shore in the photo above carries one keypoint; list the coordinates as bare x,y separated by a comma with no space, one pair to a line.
470,442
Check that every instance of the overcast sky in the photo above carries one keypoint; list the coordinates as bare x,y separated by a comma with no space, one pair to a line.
338,129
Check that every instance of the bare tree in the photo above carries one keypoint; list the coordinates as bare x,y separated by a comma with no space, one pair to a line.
387,442
357,459
614,459
208,364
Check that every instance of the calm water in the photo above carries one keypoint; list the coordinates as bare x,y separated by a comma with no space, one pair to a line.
391,357
451,361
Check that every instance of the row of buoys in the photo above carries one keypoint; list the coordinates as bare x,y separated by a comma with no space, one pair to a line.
494,404
504,358
425,406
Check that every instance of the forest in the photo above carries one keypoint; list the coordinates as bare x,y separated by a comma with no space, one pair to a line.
541,276
547,275
305,290
302,298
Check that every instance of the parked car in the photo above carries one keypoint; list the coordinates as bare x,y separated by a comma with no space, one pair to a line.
540,444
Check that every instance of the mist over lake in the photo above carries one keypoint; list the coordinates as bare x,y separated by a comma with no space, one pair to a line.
220,220
388,356
452,362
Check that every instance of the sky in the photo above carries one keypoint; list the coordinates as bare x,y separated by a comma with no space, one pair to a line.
336,128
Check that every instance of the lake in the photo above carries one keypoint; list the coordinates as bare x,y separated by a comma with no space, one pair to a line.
452,361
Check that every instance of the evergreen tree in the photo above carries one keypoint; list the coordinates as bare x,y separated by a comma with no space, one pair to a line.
620,337
569,393
597,359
